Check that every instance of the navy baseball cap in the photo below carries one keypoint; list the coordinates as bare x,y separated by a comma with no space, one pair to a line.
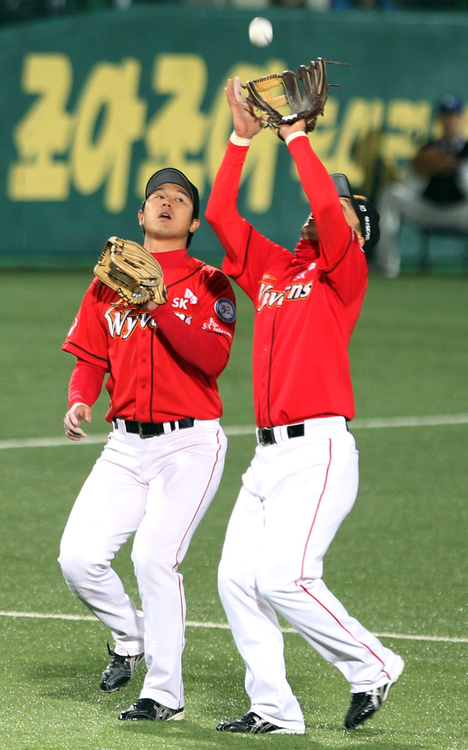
169,174
365,211
450,104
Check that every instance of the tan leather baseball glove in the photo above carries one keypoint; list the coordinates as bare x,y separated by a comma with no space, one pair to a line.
132,272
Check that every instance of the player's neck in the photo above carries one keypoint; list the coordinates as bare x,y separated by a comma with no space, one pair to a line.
167,245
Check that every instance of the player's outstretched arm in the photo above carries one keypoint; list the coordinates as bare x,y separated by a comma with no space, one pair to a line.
73,418
222,211
333,229
245,123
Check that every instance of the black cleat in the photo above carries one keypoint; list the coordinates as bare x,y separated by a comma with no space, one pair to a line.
119,671
253,724
148,709
365,705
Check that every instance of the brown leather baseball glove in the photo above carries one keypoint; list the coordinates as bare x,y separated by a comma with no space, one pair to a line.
304,94
132,272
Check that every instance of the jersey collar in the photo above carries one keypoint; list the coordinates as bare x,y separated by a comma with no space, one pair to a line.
173,259
306,251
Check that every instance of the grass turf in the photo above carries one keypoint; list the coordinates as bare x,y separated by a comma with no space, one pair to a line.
398,562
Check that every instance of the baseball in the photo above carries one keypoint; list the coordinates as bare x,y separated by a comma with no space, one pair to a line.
260,32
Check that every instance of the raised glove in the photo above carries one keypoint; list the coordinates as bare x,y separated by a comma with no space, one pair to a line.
132,272
304,93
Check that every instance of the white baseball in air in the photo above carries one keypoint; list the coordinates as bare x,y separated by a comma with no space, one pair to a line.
260,32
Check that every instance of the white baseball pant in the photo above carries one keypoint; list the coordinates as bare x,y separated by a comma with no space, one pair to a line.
158,489
294,497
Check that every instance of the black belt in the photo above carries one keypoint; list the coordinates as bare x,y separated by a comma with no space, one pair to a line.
152,429
266,435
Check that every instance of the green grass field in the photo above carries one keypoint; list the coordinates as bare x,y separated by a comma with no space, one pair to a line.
398,563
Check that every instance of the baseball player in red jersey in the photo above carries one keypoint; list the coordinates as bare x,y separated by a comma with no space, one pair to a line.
303,479
164,459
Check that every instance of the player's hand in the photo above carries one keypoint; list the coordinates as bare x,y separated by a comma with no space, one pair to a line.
78,413
246,124
296,127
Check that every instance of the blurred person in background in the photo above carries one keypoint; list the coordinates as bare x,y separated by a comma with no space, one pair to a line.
435,192
363,4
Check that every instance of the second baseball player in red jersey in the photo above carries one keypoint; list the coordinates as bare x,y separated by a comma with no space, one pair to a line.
164,460
303,479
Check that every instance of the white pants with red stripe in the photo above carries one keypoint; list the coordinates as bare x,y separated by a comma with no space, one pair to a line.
294,497
158,489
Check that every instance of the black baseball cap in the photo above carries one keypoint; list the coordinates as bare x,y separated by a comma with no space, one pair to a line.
450,104
365,211
170,174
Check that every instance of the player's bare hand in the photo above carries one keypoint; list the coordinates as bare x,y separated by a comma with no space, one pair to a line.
246,124
152,305
296,127
73,418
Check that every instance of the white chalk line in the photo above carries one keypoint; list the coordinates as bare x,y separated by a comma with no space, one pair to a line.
357,424
225,626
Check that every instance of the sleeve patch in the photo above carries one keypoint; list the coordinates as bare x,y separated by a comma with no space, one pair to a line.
212,325
225,310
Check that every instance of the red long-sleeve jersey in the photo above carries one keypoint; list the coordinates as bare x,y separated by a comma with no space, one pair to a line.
156,373
306,303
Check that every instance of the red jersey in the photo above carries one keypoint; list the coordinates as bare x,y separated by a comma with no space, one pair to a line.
148,381
306,303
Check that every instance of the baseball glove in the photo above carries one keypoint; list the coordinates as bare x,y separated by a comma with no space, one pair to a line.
132,271
304,92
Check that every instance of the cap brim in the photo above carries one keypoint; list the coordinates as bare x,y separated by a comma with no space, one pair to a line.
342,185
168,175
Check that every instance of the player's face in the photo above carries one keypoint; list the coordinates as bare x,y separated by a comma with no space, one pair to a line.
310,232
350,215
168,212
451,124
